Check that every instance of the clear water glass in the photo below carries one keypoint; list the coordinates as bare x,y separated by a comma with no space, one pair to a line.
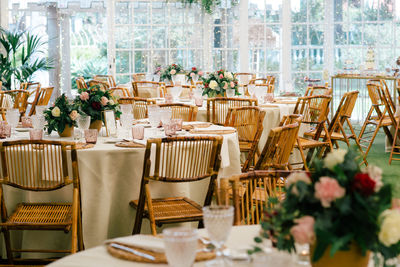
83,122
166,116
126,120
230,92
154,116
180,246
38,121
218,221
12,117
251,88
126,108
260,91
40,110
156,77
176,91
195,78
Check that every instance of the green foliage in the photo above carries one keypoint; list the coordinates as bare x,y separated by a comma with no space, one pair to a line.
87,70
208,5
355,217
166,73
223,79
21,57
57,122
94,106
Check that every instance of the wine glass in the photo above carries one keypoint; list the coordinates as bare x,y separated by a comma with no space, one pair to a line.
166,115
176,91
38,121
83,124
218,221
126,120
230,92
12,117
195,78
154,116
126,108
251,88
40,110
180,246
259,92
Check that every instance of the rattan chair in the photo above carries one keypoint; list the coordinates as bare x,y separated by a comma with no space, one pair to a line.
318,90
248,122
177,159
45,96
138,77
103,85
139,105
109,79
118,92
40,166
314,110
380,115
20,99
181,111
250,193
186,90
217,108
395,150
34,93
146,89
279,145
80,83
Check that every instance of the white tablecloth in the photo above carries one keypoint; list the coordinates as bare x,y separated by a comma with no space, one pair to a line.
110,177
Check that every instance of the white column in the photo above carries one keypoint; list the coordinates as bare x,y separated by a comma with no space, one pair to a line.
207,42
111,37
329,37
53,31
286,45
4,13
66,54
244,36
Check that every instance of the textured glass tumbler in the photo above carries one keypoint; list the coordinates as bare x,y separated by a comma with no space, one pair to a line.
180,246
36,134
91,136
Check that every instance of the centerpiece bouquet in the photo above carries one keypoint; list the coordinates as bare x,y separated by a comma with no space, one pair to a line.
93,102
218,82
170,71
61,117
192,73
339,209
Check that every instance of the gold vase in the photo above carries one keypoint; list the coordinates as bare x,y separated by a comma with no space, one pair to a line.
349,258
68,131
97,124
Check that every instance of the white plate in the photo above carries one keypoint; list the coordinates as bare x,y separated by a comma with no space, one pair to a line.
112,140
23,129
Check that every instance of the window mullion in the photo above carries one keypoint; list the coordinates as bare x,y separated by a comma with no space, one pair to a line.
286,44
244,35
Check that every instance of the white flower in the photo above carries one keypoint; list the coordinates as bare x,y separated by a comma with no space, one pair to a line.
228,75
297,177
375,173
56,112
334,157
390,227
73,115
213,85
111,102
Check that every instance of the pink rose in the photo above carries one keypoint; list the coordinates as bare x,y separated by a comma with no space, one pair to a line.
221,76
232,84
73,115
172,72
84,96
192,74
327,190
104,100
200,73
303,231
225,85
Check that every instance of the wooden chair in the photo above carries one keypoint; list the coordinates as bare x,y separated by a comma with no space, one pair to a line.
269,89
248,122
139,105
250,192
314,110
103,85
138,77
20,98
118,92
106,78
318,90
34,93
186,90
80,83
146,89
341,119
380,115
279,145
181,111
172,165
395,147
45,96
40,166
217,108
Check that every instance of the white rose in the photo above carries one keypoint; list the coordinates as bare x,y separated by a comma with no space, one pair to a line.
111,102
228,75
376,174
390,227
213,85
334,157
297,177
56,112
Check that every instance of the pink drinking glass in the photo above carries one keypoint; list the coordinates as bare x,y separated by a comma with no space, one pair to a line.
178,124
36,134
91,136
168,98
26,122
138,132
170,129
198,101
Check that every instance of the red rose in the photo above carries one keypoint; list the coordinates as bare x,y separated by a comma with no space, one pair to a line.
206,85
194,68
96,105
363,184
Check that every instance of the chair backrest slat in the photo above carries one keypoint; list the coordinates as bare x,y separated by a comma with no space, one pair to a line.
139,105
181,111
217,108
146,89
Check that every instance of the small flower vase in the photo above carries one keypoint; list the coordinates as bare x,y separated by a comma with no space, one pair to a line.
96,124
348,258
68,131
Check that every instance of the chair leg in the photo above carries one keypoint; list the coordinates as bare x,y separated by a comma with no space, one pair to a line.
81,245
150,210
7,240
302,156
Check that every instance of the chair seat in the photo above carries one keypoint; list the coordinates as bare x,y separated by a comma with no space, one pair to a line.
177,209
40,216
310,143
385,122
334,135
245,146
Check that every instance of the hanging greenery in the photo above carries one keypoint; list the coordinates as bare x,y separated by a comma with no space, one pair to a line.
208,5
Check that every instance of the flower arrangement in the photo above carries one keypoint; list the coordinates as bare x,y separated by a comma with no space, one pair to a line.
194,71
217,82
157,70
171,70
95,100
59,116
334,207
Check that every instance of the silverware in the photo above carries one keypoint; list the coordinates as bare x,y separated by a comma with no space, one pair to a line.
133,251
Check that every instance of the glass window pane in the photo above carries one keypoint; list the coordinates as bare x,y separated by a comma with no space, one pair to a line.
179,57
122,39
257,36
123,11
386,9
370,10
316,10
159,11
316,34
299,59
159,37
141,61
176,37
257,60
370,33
141,36
299,10
340,34
141,13
123,61
273,60
316,58
299,35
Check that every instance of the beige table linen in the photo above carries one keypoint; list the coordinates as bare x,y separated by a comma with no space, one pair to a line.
110,177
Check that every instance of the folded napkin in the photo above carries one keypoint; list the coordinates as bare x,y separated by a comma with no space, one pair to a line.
146,242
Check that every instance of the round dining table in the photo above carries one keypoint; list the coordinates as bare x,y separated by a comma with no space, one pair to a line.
110,178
